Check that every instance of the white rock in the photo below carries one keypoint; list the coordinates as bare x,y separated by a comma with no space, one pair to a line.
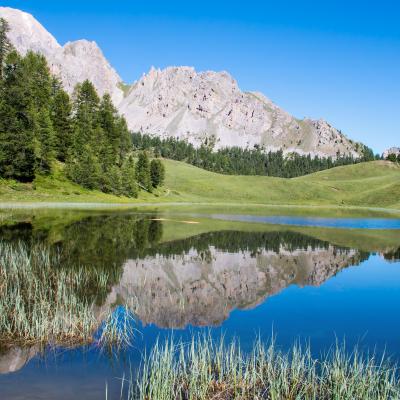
180,102
73,63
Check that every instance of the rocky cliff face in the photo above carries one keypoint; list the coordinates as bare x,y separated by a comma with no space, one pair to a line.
72,63
202,288
209,106
206,107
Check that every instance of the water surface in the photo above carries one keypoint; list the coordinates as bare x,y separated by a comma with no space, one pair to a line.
184,276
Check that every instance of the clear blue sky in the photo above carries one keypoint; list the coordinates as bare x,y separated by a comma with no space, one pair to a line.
339,60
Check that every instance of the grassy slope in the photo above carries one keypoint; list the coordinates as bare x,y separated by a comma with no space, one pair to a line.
374,184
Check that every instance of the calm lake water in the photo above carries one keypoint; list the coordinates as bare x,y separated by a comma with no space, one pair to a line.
313,285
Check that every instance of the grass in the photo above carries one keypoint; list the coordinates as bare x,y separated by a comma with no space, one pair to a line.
40,302
354,187
206,369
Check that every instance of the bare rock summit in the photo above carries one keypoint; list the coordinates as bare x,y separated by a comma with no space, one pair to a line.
72,63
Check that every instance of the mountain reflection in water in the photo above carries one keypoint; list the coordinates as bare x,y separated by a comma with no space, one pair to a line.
195,281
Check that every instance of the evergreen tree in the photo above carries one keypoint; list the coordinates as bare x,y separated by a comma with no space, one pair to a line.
112,181
157,173
44,142
129,184
84,169
85,121
17,158
61,117
143,171
5,44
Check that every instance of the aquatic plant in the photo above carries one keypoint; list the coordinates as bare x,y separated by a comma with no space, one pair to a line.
207,369
40,301
118,329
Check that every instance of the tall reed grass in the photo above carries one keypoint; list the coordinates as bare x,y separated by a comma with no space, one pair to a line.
39,299
208,369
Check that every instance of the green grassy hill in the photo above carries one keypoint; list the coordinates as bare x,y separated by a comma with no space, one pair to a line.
373,184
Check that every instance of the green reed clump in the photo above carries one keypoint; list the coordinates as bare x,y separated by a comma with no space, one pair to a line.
205,369
38,298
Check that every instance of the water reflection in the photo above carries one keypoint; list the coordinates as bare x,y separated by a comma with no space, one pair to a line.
194,281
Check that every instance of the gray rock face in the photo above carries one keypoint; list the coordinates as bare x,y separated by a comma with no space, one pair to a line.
391,150
200,107
72,63
206,107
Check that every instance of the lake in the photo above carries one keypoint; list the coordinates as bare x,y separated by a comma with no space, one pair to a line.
298,279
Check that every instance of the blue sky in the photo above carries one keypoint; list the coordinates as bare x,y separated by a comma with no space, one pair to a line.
339,60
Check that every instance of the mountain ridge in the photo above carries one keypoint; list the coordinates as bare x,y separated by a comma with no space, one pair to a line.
200,107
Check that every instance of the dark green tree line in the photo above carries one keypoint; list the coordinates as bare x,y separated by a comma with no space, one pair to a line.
238,161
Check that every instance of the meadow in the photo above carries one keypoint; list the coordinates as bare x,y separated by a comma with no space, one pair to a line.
373,186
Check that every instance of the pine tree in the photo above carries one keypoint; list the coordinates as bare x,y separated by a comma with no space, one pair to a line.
61,117
143,172
129,184
5,44
157,173
84,169
17,159
44,142
112,181
85,121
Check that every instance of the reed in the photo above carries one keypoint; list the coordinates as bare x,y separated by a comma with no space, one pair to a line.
208,369
39,299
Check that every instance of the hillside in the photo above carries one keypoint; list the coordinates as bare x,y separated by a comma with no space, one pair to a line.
373,184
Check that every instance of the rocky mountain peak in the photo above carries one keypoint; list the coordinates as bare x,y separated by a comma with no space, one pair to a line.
197,106
73,63
28,34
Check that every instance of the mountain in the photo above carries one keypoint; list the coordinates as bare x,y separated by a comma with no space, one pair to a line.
72,63
202,107
209,106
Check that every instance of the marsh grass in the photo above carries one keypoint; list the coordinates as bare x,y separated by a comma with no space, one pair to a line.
208,369
39,299
118,330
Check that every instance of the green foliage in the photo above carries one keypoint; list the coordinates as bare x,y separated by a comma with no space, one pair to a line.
17,123
84,169
61,117
129,184
39,124
44,142
157,173
392,157
238,161
143,174
5,44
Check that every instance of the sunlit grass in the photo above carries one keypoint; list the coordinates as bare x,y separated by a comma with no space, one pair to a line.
208,369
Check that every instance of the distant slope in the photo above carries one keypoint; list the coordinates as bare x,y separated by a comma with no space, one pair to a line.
373,184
